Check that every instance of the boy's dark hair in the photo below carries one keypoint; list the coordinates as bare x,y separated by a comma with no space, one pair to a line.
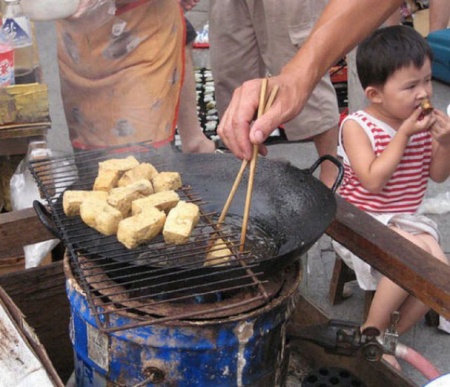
387,50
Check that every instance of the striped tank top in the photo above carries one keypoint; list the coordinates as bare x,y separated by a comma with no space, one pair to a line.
404,191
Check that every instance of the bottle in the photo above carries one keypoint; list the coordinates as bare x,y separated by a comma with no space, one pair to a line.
18,26
6,60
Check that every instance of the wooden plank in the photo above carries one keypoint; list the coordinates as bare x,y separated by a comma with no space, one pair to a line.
27,361
400,260
373,374
40,295
20,228
24,131
24,103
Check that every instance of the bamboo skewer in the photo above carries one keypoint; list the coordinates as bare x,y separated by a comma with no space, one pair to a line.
254,159
262,108
237,181
230,198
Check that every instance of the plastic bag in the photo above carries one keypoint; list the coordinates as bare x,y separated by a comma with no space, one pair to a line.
23,192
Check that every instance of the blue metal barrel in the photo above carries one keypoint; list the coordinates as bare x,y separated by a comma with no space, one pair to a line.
242,350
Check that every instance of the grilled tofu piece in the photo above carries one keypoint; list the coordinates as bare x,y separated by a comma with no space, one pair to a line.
110,171
166,181
120,165
163,201
106,180
98,214
180,222
140,228
122,197
219,254
142,171
72,200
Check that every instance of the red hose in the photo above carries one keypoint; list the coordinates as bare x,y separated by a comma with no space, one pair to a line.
417,361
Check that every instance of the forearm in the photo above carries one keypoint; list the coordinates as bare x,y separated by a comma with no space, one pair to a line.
383,167
440,166
350,19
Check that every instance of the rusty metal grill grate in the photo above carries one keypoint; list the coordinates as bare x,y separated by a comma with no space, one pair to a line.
152,283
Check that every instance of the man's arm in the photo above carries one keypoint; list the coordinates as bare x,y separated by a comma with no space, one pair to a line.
342,25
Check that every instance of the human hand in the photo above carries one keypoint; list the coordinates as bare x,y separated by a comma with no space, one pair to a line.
417,122
187,5
441,128
237,127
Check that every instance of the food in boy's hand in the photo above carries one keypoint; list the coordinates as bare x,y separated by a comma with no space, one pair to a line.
426,106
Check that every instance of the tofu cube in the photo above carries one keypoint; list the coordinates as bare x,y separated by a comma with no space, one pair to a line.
166,181
219,254
140,228
72,200
106,180
142,171
122,197
98,214
180,222
163,201
120,165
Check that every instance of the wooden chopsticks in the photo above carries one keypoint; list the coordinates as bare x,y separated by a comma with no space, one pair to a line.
262,108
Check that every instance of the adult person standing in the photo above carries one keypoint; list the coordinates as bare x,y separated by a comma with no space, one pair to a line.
439,14
121,69
251,39
340,27
193,139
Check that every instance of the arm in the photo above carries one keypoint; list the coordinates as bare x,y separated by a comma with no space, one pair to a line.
341,26
374,172
440,166
187,5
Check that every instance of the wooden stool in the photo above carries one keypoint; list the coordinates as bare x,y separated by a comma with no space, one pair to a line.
343,274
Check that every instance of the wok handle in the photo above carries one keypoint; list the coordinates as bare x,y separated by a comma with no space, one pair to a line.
336,162
46,218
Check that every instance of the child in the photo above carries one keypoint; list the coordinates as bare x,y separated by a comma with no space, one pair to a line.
390,150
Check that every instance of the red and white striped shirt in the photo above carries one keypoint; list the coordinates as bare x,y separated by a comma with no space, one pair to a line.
404,191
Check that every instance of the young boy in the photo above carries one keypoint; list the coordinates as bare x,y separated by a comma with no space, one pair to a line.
390,150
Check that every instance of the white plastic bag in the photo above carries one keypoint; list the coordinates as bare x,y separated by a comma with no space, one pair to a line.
24,191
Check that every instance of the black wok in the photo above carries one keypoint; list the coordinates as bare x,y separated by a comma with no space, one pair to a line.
290,204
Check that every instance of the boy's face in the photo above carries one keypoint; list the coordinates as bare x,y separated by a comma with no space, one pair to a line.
405,89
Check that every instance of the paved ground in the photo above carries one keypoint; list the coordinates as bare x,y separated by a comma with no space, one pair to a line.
319,261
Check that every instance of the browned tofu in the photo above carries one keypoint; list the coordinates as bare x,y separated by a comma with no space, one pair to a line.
120,165
72,200
106,180
98,214
122,197
180,222
163,201
219,254
140,228
166,181
142,171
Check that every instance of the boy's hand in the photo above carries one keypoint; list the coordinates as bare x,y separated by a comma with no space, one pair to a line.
417,122
441,128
